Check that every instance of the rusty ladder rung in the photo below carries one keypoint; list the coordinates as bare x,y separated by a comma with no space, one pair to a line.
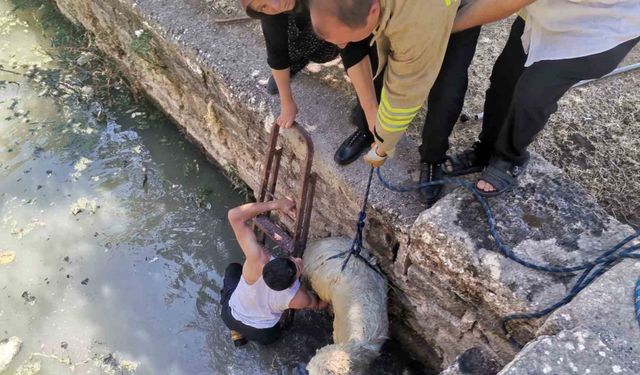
275,233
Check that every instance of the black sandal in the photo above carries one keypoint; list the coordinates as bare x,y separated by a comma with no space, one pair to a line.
466,162
502,175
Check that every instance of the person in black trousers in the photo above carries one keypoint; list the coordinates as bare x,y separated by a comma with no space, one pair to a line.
522,94
242,333
291,45
354,55
255,295
444,106
518,105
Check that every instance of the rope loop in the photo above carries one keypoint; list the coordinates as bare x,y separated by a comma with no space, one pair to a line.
358,243
362,217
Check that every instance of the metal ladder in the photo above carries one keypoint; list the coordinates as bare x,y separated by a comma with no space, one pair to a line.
294,243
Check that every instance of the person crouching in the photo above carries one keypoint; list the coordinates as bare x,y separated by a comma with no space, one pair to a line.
255,295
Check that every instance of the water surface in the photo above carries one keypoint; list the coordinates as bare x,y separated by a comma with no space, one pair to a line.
119,231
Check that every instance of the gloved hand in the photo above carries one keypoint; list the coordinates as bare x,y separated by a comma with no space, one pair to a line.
373,158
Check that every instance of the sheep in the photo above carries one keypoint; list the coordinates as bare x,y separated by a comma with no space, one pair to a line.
359,300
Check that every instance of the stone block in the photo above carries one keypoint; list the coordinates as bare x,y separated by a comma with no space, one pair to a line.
9,349
579,351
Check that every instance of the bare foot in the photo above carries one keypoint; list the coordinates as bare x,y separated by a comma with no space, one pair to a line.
485,186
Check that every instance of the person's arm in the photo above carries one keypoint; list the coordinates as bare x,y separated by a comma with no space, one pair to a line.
247,240
275,30
305,299
288,107
411,71
361,76
481,12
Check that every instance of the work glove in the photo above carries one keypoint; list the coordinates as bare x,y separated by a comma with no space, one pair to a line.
373,158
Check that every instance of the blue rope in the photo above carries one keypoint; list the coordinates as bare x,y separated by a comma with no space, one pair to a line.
591,270
638,300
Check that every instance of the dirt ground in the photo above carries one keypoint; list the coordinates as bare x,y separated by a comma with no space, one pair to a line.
225,8
593,136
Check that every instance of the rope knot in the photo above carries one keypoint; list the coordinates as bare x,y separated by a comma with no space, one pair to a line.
362,218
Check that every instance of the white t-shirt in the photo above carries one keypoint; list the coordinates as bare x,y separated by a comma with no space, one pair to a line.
565,29
259,306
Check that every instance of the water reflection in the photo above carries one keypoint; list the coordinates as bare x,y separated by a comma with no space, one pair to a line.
119,230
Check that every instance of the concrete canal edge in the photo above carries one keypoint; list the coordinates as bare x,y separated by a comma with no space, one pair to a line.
452,287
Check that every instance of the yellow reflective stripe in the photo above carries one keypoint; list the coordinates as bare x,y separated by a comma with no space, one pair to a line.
397,111
390,127
394,119
391,117
447,2
392,130
391,121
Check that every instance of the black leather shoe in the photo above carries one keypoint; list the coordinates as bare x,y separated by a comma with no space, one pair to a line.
353,147
430,172
272,87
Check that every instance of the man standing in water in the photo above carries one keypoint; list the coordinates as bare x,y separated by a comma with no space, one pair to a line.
255,295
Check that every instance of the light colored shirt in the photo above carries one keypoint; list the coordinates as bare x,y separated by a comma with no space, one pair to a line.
565,29
259,306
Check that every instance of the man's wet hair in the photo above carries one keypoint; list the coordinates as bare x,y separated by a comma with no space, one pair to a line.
352,13
279,274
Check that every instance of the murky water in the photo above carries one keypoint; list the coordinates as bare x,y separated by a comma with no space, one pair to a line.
119,232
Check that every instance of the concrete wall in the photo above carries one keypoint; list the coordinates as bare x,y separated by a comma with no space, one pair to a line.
450,285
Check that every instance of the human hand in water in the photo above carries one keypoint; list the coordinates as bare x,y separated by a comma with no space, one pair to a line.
288,113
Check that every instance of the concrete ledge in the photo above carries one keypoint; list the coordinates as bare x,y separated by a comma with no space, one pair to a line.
451,287
597,333
458,286
578,351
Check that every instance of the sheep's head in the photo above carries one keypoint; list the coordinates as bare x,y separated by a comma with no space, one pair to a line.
341,359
